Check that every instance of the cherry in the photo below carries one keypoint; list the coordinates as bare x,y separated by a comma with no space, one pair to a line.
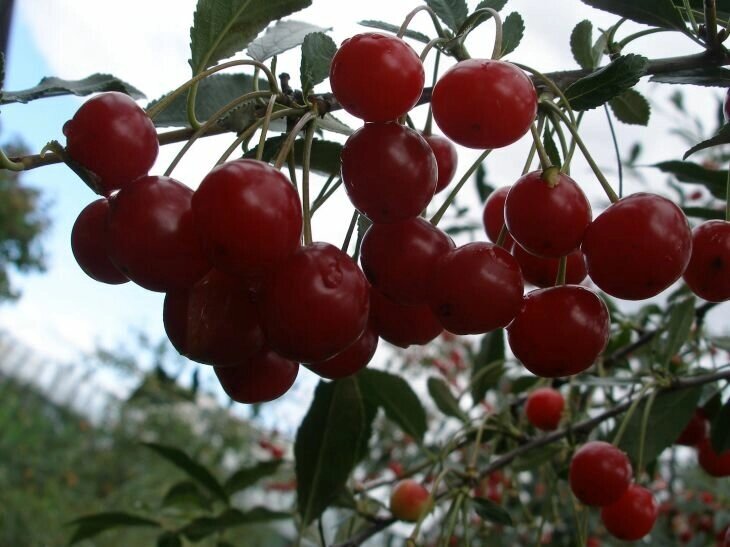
715,464
248,216
410,501
637,247
708,271
346,363
214,322
151,235
544,407
376,77
599,473
402,325
399,258
632,516
446,159
695,431
476,288
90,244
542,272
493,216
113,137
481,103
560,331
389,172
315,305
264,377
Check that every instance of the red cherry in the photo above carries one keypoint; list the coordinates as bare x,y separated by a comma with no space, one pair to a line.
637,247
402,325
214,322
389,172
376,77
346,363
493,216
248,216
547,220
695,431
446,159
151,235
315,305
90,244
410,500
264,377
399,258
708,271
113,137
544,408
715,464
542,272
476,288
633,516
481,103
599,473
560,331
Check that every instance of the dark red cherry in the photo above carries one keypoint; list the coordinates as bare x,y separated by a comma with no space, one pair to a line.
708,271
264,377
544,408
542,272
402,325
599,473
446,159
346,363
633,516
715,464
493,216
695,431
90,244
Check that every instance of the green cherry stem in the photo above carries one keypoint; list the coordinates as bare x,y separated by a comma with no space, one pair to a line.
616,151
562,270
7,163
306,170
265,127
435,219
473,21
642,437
571,150
324,195
427,128
558,130
552,86
503,233
429,47
244,137
631,37
304,120
533,148
350,231
629,413
545,162
407,21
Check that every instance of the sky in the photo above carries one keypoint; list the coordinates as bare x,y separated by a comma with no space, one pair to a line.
62,312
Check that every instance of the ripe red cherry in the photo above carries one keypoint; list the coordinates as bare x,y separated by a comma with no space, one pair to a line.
599,473
90,244
399,258
346,363
410,500
542,272
315,305
389,172
637,247
151,235
481,103
544,407
708,271
560,331
248,216
214,322
402,325
547,220
493,216
715,464
695,431
375,77
633,516
446,159
476,288
113,137
264,377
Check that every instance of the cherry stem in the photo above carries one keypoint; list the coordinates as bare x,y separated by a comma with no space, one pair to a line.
407,21
642,437
325,194
571,150
565,168
616,151
350,231
7,163
631,37
545,162
435,219
562,270
533,148
306,170
427,128
503,233
473,22
453,516
552,86
711,24
727,197
429,46
245,136
304,120
629,413
265,127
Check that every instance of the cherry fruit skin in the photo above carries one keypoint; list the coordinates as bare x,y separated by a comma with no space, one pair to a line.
599,473
151,236
376,77
544,407
264,377
481,103
248,216
695,431
113,137
402,325
399,258
493,216
476,288
708,271
446,159
315,305
389,172
560,331
632,516
410,500
714,464
542,272
90,244
637,247
350,361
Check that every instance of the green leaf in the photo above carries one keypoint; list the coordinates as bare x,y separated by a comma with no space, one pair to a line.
185,493
56,87
444,399
693,173
581,44
631,108
704,213
169,539
722,137
681,318
248,476
720,429
192,468
655,13
670,413
281,37
708,77
488,364
327,445
397,399
222,28
491,511
325,158
452,12
329,123
496,5
317,52
202,527
513,29
381,25
523,383
551,148
91,525
606,83
536,457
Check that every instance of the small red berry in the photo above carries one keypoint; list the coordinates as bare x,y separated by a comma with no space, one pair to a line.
599,473
90,244
402,325
544,407
446,159
353,359
695,431
493,216
632,516
264,377
409,501
715,464
708,271
543,272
